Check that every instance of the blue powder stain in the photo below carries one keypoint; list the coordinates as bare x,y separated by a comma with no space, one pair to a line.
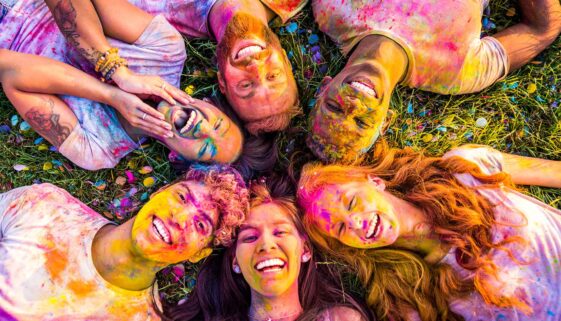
144,196
292,27
313,39
550,313
24,126
501,317
442,129
14,120
540,99
409,107
4,129
38,141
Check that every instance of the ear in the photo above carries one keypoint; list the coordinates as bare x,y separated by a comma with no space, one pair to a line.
390,116
200,255
221,82
306,253
377,182
324,82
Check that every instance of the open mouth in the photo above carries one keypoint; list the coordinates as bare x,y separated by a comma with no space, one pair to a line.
364,86
184,120
161,230
270,265
374,228
249,50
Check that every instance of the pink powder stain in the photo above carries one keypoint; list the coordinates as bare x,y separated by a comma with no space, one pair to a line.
450,46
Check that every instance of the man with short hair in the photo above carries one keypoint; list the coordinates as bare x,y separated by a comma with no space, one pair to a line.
426,44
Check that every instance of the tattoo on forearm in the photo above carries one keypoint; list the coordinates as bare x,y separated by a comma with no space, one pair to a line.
47,123
65,17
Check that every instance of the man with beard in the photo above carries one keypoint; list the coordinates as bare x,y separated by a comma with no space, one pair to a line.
254,72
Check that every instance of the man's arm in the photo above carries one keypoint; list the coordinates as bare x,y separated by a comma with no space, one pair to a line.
540,26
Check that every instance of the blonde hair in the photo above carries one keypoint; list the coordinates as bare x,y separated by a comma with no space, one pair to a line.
398,281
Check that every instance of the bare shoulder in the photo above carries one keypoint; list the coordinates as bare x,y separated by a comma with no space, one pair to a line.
340,313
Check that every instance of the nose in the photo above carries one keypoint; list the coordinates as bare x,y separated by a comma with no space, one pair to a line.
356,221
266,243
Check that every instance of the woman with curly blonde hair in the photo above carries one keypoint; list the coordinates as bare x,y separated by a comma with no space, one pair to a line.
441,238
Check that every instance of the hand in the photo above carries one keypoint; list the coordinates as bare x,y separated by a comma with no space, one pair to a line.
149,86
139,114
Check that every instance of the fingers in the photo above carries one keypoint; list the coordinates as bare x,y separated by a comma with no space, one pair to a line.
179,95
171,93
162,92
153,121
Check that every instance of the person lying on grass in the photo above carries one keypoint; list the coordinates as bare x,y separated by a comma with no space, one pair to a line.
426,44
442,238
270,272
76,113
60,260
254,72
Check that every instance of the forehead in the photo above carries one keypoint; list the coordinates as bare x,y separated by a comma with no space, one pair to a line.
267,214
198,194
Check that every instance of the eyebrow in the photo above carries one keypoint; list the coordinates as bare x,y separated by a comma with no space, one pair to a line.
244,227
197,205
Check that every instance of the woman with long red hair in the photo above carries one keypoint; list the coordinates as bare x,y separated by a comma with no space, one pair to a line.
270,273
441,238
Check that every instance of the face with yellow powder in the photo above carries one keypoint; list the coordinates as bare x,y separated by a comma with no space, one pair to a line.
176,224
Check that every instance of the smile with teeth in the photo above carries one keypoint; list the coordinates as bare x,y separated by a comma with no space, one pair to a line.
270,265
248,51
161,230
374,227
364,88
184,120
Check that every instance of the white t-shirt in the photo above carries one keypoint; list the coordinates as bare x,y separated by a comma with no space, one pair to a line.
538,283
46,270
441,38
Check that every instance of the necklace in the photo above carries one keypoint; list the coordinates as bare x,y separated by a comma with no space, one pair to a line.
269,318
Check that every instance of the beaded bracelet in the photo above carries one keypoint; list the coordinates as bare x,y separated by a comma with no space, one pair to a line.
104,56
108,63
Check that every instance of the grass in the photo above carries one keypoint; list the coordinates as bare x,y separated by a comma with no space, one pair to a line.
519,121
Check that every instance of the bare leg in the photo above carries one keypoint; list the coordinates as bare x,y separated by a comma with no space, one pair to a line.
540,26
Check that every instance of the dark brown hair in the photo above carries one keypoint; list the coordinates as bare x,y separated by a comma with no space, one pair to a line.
221,295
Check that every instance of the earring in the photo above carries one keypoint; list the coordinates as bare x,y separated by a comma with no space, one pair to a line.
236,269
306,257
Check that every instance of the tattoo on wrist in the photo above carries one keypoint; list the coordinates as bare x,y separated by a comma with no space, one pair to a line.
65,17
46,122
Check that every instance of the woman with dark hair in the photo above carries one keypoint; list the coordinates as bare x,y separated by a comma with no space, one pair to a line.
442,238
269,273
60,260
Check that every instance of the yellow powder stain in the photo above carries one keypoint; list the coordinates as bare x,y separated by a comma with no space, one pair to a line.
81,288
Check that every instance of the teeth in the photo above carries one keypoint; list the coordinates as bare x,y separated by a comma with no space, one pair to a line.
248,51
372,227
362,87
189,123
277,263
161,229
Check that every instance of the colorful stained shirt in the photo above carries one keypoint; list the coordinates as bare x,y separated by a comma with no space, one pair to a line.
537,283
441,38
190,17
46,267
98,141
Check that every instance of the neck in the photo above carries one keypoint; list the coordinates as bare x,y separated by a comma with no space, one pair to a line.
285,307
384,53
223,11
415,231
117,261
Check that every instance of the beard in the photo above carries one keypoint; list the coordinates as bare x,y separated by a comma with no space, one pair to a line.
244,26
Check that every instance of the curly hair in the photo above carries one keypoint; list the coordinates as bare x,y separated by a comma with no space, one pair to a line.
222,295
229,195
399,281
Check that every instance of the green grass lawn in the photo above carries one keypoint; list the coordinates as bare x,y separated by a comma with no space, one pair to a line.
521,112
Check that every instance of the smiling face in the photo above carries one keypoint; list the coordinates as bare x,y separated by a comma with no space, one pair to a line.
269,251
350,113
254,72
202,132
175,224
357,213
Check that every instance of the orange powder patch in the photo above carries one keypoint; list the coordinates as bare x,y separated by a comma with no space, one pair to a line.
56,262
81,288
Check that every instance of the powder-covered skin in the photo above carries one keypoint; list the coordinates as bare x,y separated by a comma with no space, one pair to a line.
446,54
29,27
190,17
46,270
537,283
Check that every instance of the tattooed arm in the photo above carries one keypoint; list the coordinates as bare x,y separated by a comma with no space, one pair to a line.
30,80
85,25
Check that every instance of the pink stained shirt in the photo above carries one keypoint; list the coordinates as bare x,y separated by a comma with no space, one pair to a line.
441,38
